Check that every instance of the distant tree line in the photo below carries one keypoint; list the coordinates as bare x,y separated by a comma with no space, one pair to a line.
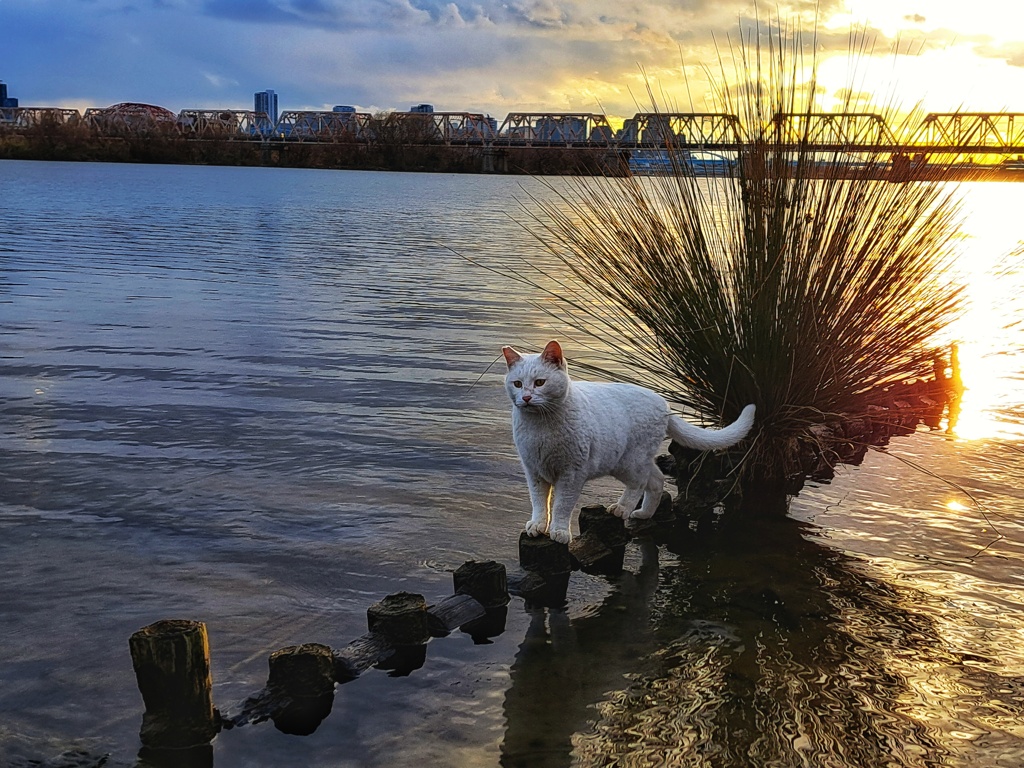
393,146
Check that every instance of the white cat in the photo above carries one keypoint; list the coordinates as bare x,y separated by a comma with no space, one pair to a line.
568,432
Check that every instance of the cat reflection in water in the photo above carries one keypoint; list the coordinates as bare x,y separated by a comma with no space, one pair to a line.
568,432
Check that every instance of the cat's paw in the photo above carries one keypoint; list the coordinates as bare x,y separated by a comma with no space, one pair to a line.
562,536
536,529
618,511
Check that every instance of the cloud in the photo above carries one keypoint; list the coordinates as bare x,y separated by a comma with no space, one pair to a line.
496,56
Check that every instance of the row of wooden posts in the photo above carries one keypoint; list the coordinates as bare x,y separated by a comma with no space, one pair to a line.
172,657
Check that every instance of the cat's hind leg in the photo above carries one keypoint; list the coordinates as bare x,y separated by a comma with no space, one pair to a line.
652,495
627,501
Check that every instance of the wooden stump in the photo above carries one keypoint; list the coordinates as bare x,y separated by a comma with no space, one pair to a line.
301,685
543,555
302,670
172,667
487,582
401,618
596,557
608,528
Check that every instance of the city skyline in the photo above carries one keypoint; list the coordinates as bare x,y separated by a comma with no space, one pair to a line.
488,57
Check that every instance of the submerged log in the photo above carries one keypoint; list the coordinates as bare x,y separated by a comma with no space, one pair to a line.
453,612
171,659
401,618
361,654
486,581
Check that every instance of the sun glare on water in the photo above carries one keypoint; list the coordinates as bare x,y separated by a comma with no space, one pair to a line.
990,335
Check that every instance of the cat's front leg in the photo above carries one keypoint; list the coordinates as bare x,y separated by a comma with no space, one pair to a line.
565,494
540,495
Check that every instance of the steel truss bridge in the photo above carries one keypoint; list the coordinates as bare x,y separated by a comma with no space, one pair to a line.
939,133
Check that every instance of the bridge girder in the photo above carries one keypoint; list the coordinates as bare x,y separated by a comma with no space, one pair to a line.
309,125
224,123
854,129
30,117
555,129
1002,132
681,129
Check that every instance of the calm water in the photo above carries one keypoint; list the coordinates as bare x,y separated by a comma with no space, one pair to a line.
247,397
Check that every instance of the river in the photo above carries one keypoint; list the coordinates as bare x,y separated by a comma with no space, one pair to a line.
265,399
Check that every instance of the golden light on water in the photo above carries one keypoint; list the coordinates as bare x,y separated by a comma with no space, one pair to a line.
991,343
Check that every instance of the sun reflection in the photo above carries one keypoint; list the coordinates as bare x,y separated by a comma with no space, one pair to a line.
991,345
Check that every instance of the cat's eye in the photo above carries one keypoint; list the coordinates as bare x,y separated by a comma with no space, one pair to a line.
539,382
517,384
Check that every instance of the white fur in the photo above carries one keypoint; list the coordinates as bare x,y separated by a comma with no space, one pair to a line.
568,432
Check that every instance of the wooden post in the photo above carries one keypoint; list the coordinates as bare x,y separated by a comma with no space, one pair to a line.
401,618
172,667
597,520
301,683
487,582
543,555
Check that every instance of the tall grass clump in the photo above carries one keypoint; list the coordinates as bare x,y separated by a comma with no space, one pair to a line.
799,282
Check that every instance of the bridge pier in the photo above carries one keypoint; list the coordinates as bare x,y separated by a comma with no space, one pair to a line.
494,160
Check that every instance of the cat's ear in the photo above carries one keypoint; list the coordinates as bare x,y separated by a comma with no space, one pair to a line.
511,356
552,354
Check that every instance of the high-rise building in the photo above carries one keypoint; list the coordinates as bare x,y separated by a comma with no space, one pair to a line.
266,102
424,108
5,101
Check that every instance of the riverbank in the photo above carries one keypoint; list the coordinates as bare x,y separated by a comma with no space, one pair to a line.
71,145
535,161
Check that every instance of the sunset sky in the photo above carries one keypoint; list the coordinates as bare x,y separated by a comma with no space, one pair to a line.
481,55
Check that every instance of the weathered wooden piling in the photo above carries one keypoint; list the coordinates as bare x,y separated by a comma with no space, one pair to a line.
301,685
544,556
401,618
600,549
171,659
550,560
486,581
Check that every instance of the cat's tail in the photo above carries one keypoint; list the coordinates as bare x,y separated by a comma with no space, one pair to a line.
691,436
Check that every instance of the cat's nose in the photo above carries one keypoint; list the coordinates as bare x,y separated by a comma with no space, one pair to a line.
527,398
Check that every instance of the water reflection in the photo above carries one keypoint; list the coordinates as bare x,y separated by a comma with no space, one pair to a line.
760,646
989,333
251,405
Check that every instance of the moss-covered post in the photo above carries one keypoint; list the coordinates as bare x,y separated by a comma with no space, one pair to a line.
172,667
301,683
402,619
